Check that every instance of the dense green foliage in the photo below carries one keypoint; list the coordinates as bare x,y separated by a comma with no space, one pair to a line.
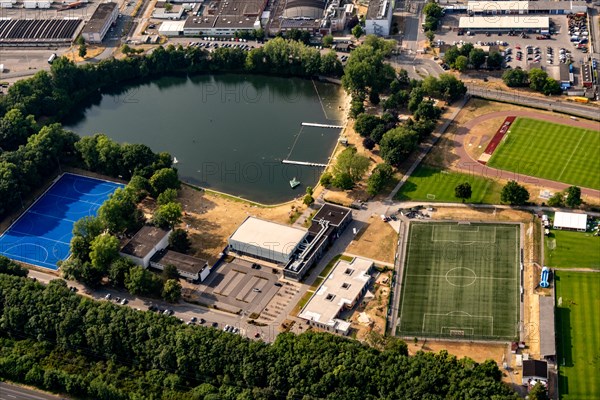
59,341
349,168
514,194
463,191
536,79
9,267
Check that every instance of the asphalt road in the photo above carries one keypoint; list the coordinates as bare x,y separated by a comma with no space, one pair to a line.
12,392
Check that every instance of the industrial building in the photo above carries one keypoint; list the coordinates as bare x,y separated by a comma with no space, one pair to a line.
293,249
224,18
379,17
171,28
340,291
104,16
534,371
517,7
547,331
562,73
505,23
38,32
148,248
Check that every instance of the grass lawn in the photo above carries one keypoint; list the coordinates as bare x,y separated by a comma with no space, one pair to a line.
551,151
460,281
578,335
566,249
427,181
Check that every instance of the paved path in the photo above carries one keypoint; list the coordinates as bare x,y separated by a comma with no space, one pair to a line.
472,166
13,392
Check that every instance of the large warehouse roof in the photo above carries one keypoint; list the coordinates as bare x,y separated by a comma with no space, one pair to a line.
570,220
267,237
496,6
312,9
99,17
504,22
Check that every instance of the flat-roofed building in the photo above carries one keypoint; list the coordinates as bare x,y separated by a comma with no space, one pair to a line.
340,291
505,23
104,16
497,7
145,243
378,20
171,28
570,221
225,17
191,268
265,240
547,330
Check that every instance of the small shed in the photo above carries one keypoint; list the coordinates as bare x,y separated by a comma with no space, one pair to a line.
571,221
534,371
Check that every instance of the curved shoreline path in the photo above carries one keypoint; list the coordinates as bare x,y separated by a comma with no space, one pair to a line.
468,163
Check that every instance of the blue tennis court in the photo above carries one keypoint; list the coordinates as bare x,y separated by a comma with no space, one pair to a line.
42,235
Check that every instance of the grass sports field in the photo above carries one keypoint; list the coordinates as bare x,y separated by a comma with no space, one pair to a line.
433,184
578,335
551,151
461,281
566,249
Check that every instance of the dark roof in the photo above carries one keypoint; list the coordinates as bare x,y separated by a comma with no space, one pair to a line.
144,241
332,213
535,369
305,3
547,333
378,9
99,18
182,262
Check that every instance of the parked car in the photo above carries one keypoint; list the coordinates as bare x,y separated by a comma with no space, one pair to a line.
108,296
124,301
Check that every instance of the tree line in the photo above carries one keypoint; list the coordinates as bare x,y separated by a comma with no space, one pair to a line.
536,79
60,341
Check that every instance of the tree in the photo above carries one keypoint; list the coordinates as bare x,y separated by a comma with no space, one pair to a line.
351,163
168,196
476,57
430,35
397,144
343,181
515,77
167,215
552,86
451,88
357,31
326,178
494,60
85,230
537,79
451,55
172,291
379,178
140,281
557,200
461,63
514,194
538,392
15,128
163,179
170,272
368,143
365,123
427,111
179,241
309,190
168,7
573,197
118,269
415,98
82,51
9,267
119,213
463,191
327,40
308,199
140,187
104,250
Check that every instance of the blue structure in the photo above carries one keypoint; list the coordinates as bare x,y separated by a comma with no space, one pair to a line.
42,235
544,278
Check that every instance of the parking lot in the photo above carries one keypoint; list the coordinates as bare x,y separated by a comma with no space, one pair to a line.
535,52
241,286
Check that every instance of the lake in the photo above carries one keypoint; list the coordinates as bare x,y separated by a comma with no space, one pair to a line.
228,132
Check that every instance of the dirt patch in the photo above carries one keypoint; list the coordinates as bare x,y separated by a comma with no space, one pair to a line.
376,241
371,315
482,133
92,52
476,351
478,214
210,219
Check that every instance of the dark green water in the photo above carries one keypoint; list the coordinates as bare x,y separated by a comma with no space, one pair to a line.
228,132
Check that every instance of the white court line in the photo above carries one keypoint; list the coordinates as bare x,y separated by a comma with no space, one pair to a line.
33,260
51,216
77,200
39,237
572,154
462,276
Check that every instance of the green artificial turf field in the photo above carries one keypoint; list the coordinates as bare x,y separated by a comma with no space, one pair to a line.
550,151
566,249
430,183
578,334
461,281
